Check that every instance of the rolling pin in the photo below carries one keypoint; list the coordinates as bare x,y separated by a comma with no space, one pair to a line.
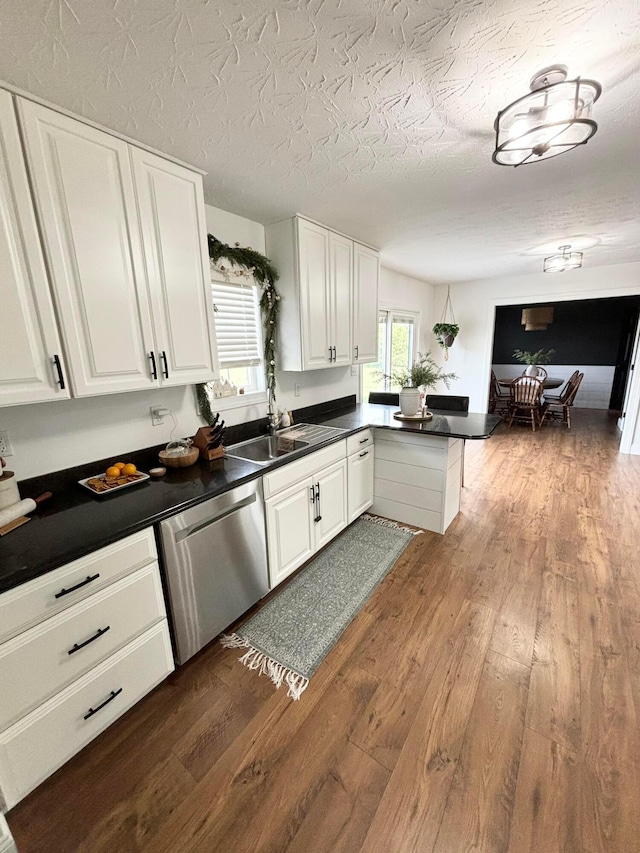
11,513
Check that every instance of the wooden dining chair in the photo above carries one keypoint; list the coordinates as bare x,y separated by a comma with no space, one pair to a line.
525,401
564,390
498,401
560,410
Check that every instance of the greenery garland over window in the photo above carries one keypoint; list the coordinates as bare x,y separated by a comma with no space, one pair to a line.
263,271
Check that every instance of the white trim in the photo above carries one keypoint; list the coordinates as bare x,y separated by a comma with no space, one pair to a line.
632,420
328,228
238,401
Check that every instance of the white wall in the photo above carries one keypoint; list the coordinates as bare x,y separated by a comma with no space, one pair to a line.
474,305
409,294
50,436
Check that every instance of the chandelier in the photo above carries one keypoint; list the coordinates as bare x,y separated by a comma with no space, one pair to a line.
552,119
537,319
567,260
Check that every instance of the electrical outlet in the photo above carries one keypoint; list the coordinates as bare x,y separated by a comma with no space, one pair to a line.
158,414
296,390
5,444
354,369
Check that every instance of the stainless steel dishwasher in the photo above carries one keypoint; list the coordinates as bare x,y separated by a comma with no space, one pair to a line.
215,558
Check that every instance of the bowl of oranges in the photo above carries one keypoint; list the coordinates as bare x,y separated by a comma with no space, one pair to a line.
117,476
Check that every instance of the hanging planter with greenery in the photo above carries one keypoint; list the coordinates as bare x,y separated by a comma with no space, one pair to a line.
248,263
447,329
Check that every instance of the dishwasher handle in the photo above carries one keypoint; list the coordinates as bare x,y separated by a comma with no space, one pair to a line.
196,527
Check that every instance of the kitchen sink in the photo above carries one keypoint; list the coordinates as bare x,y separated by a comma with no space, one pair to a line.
266,448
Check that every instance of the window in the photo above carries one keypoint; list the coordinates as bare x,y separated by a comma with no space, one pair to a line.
397,337
239,333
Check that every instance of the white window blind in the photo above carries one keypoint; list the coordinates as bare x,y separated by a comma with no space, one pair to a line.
237,321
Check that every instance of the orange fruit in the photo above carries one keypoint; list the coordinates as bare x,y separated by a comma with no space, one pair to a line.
129,468
113,471
119,465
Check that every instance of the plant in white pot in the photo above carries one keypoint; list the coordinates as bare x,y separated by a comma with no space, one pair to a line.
534,359
422,375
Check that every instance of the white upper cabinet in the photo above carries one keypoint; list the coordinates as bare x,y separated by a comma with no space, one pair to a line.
320,314
172,218
314,295
366,270
84,194
340,285
125,236
31,363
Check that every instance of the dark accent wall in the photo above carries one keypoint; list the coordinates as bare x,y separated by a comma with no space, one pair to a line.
587,331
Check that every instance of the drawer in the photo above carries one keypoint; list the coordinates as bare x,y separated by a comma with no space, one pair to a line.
361,439
31,602
292,473
37,664
41,742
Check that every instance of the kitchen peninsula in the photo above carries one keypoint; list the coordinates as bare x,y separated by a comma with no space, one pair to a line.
418,466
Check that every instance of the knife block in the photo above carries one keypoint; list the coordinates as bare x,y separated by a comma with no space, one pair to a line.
201,440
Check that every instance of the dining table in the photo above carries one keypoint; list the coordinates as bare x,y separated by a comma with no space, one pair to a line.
547,384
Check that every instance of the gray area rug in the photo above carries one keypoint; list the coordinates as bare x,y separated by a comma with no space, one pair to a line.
289,637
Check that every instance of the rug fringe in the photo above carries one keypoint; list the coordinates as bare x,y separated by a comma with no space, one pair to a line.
256,660
385,522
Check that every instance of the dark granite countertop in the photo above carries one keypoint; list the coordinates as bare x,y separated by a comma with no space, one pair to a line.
75,522
466,425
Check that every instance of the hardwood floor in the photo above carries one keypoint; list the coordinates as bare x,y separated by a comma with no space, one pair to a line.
486,698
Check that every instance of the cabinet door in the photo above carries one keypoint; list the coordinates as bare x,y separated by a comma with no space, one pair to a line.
366,265
84,194
28,335
290,534
174,233
313,259
332,508
340,281
360,482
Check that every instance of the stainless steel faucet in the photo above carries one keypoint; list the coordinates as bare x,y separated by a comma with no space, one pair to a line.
273,416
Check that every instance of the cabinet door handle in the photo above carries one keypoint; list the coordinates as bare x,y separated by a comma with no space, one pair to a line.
356,352
58,366
318,516
335,354
77,646
152,359
313,494
330,353
364,453
93,711
165,369
77,586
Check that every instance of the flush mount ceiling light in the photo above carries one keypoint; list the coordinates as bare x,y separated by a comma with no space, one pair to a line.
537,319
568,260
554,118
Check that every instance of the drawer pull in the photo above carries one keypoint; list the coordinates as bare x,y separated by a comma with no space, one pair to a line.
89,578
364,440
99,633
364,453
93,711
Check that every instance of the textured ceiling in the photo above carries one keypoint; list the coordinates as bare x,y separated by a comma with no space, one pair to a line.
374,116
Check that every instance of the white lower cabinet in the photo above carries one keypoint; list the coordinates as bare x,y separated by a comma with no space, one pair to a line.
360,479
290,530
89,640
302,518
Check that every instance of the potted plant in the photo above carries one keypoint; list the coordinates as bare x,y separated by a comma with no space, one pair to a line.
423,374
533,359
446,334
